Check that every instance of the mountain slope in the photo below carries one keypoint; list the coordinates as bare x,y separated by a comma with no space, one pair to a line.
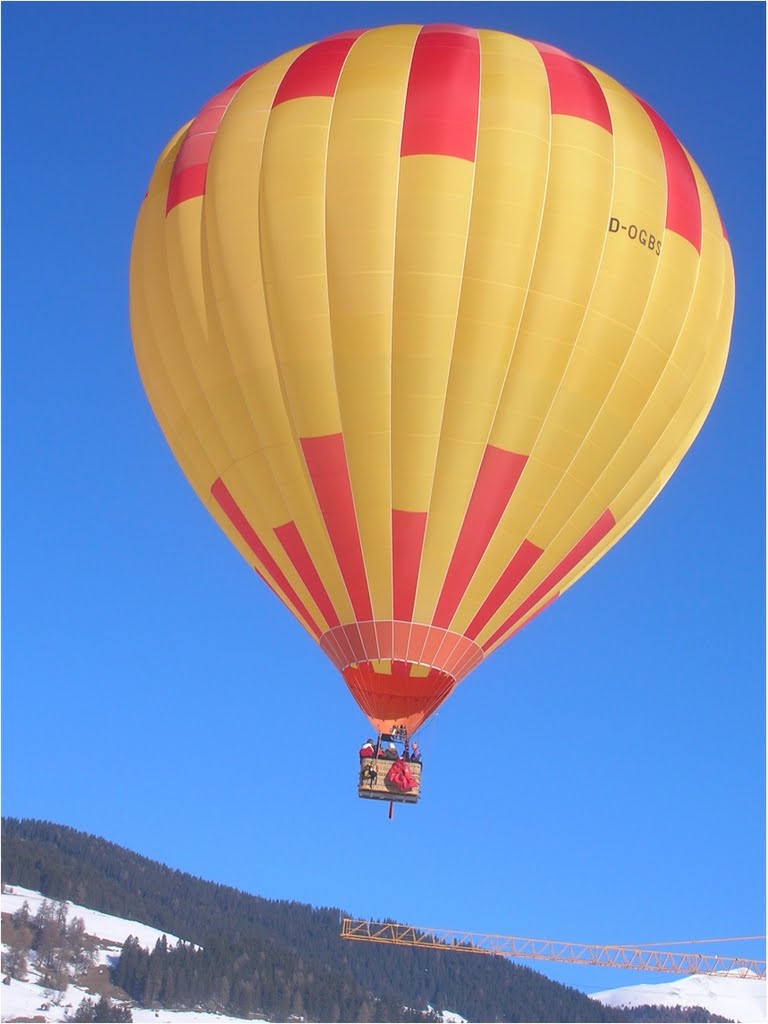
737,999
273,957
31,998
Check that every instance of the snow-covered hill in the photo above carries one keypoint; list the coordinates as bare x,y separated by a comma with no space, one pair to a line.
28,998
739,999
112,930
736,999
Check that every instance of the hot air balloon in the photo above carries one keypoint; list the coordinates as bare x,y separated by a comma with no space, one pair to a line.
428,316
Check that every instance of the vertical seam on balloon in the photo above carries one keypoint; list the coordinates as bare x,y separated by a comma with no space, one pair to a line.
342,639
584,315
541,605
213,311
578,571
575,555
328,640
171,291
712,334
521,316
558,390
575,574
241,523
458,637
310,493
518,566
260,240
226,350
330,334
224,336
295,548
355,624
608,394
173,198
666,365
168,224
278,555
672,150
143,294
447,659
467,229
391,353
151,317
489,497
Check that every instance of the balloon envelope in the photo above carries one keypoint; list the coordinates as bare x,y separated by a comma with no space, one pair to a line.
428,316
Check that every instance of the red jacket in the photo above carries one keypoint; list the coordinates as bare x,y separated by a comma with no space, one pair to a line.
366,750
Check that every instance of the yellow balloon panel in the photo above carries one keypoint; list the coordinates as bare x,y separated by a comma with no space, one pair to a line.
428,317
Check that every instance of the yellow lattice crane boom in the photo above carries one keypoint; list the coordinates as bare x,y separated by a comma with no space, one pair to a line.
627,957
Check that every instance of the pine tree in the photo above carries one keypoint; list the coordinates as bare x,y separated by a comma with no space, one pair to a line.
365,1012
103,1012
156,972
22,917
48,945
85,1012
224,989
60,913
108,1012
15,962
45,913
76,946
297,1003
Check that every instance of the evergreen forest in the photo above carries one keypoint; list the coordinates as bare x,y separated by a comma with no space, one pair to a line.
276,959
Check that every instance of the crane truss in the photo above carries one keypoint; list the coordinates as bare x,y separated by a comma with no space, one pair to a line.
548,949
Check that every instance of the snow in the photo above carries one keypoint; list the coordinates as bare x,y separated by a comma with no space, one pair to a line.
184,1017
739,999
742,1000
113,930
25,998
449,1017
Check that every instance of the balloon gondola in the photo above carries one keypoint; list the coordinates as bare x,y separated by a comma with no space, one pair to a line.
390,768
428,316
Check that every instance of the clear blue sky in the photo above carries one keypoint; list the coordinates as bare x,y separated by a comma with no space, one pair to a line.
156,694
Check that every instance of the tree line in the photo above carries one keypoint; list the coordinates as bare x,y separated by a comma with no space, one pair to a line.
61,947
246,955
62,951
